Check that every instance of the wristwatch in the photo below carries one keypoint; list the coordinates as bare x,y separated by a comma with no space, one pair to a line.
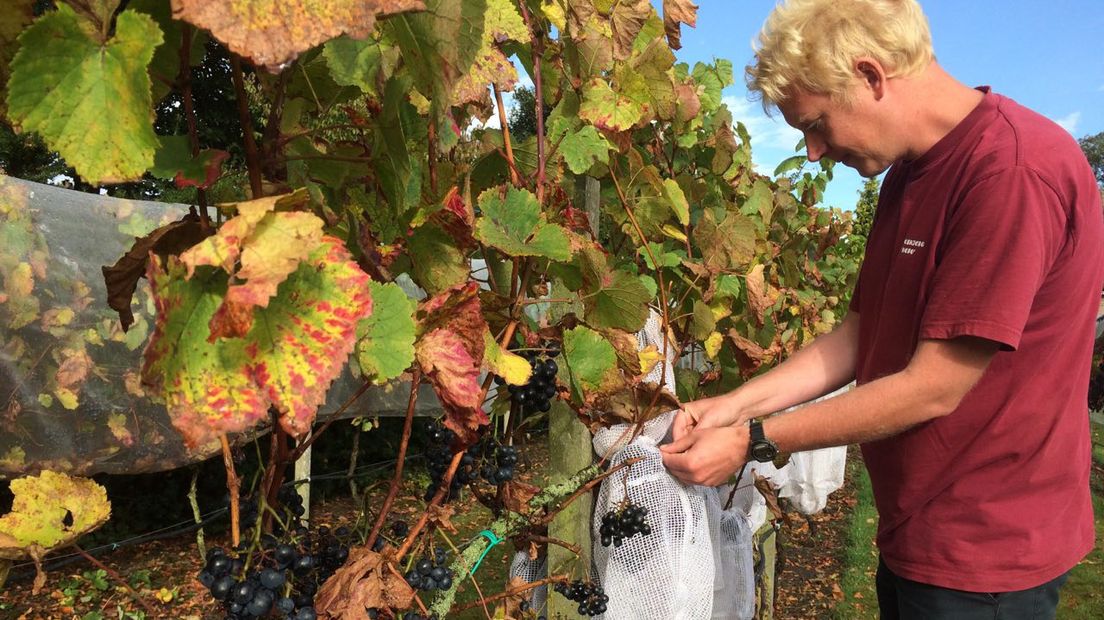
760,448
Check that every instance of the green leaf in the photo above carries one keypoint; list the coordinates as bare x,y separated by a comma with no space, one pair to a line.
590,362
604,108
760,201
790,163
675,196
439,45
702,322
385,345
50,510
620,303
174,161
583,148
166,58
354,62
439,263
15,15
516,226
89,101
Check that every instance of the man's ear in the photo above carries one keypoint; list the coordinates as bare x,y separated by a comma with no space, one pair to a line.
872,74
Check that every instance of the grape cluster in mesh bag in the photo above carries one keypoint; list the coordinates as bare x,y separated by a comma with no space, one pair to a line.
537,394
484,459
589,595
428,575
283,578
626,521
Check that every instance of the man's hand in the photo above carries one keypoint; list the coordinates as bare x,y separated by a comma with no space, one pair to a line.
705,413
707,456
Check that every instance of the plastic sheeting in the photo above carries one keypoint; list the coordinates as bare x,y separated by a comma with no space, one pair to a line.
70,396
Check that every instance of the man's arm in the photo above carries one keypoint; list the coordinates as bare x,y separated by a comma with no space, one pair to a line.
825,365
939,375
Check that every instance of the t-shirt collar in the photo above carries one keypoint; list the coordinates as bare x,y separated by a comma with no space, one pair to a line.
964,128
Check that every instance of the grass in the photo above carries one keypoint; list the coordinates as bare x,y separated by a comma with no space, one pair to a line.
1082,597
860,560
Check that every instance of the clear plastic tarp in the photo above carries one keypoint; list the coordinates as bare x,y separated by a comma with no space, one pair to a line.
70,395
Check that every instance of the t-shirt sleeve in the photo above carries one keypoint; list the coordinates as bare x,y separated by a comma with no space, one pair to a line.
999,245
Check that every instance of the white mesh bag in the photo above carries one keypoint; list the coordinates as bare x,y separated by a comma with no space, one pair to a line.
734,573
530,570
669,573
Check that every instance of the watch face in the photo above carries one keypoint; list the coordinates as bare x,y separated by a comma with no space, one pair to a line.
763,451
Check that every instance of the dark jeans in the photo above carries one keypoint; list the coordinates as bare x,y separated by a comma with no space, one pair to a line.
904,599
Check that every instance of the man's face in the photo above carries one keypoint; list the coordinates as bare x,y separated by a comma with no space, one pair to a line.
849,135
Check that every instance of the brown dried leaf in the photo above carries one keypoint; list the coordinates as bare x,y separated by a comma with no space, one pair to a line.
626,20
676,13
442,517
74,368
769,494
362,583
516,495
632,404
272,33
122,277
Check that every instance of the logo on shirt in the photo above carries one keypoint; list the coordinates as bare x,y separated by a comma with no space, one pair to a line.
911,245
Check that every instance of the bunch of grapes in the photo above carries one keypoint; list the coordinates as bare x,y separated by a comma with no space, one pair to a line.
537,394
624,522
283,578
429,575
290,509
589,595
485,459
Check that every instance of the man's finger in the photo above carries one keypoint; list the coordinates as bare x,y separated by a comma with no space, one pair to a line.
679,445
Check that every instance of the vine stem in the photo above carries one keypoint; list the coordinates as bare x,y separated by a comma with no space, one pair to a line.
538,50
233,485
506,135
396,480
515,591
432,157
252,155
185,79
659,276
590,485
442,489
302,447
556,541
117,577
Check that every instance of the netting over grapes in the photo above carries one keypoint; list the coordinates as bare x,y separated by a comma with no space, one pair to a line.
695,562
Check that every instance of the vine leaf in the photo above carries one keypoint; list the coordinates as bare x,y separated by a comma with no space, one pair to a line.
385,340
122,277
268,245
590,363
15,15
730,244
271,33
677,199
581,149
676,13
502,23
49,511
354,62
512,367
516,226
626,20
174,161
90,101
455,377
439,263
607,109
362,583
612,298
632,404
223,385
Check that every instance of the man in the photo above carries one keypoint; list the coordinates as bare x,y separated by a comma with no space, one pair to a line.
970,330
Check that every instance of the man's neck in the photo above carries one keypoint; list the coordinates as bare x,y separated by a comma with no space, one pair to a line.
937,104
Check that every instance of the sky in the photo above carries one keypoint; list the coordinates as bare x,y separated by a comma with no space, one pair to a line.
1048,56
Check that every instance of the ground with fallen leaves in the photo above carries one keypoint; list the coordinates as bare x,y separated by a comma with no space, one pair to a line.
162,573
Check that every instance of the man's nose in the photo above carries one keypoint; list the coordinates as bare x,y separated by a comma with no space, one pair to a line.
815,149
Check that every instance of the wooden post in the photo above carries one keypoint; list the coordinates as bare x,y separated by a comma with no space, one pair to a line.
570,449
303,472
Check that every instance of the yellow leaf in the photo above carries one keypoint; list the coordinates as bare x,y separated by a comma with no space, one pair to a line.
720,310
713,345
46,400
67,398
673,232
514,368
649,357
555,14
164,595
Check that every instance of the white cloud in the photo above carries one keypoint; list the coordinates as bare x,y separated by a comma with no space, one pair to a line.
767,132
1069,122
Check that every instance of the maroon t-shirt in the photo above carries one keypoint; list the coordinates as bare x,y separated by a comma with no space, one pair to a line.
997,232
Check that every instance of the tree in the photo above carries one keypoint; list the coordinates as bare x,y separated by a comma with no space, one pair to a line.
523,114
864,209
1093,146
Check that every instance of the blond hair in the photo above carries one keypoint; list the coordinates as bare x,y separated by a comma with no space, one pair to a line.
812,44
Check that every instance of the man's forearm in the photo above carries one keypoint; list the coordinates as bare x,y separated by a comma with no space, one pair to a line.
827,364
